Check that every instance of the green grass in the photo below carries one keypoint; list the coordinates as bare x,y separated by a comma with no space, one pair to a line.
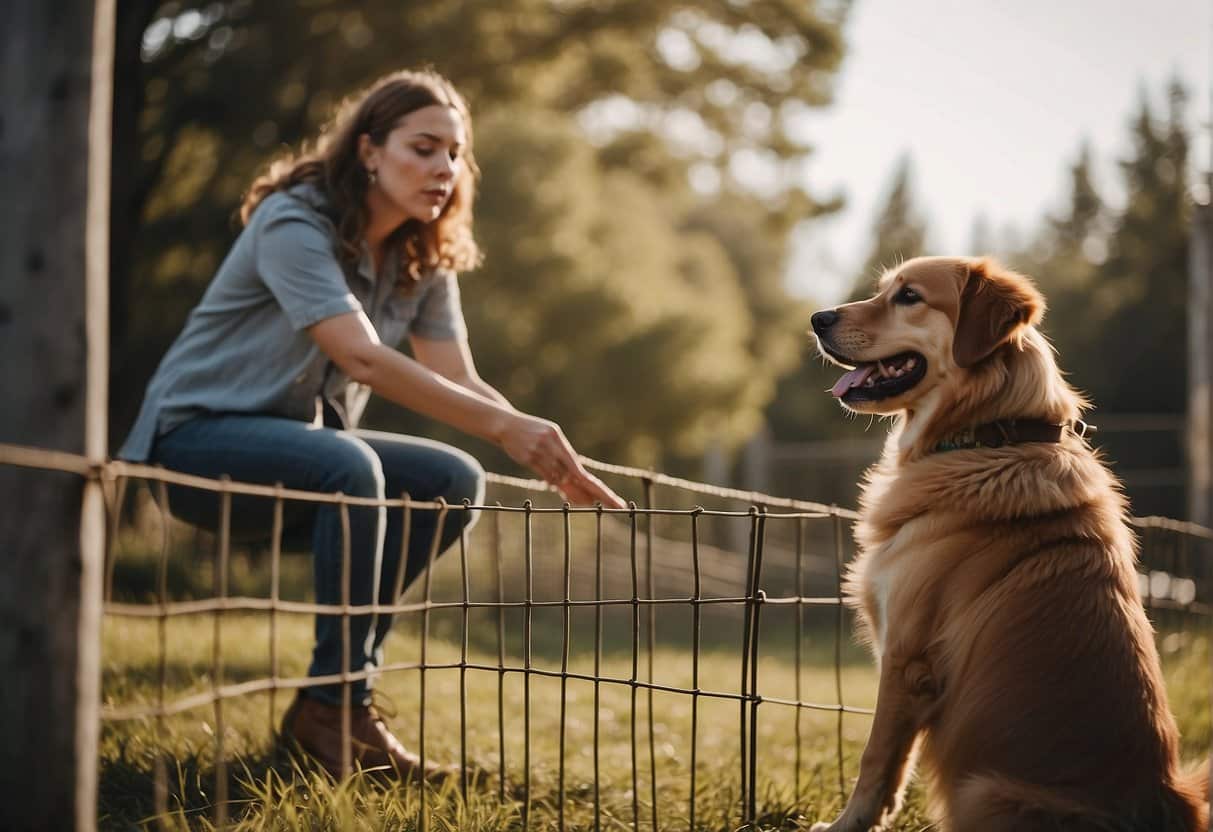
268,791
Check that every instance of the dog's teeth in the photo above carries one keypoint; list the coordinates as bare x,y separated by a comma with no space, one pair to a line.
910,362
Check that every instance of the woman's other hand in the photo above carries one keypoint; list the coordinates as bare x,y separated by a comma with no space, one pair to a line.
540,445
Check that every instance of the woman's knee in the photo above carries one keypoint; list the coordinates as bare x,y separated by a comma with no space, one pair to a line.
352,467
426,470
467,481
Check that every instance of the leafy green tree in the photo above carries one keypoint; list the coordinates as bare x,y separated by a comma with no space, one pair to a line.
207,92
587,310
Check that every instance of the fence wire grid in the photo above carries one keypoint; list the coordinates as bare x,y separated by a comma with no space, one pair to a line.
641,603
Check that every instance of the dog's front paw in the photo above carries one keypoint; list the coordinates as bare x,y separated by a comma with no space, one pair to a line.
820,826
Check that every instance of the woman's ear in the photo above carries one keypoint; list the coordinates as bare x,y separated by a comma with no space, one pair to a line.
367,152
995,304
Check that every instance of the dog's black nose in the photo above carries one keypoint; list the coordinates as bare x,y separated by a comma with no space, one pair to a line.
823,320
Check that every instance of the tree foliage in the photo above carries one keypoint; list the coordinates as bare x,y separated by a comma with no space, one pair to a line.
590,304
1116,280
640,312
1141,362
899,233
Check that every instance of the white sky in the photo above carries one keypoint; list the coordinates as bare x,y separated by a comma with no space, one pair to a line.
991,100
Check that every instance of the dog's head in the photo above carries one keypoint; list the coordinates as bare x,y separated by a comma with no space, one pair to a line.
933,328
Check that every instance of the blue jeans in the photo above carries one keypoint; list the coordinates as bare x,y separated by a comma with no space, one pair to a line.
268,449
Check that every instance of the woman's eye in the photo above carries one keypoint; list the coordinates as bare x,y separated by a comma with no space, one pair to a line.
906,296
424,150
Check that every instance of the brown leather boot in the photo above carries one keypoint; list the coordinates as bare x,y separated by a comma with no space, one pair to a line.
315,727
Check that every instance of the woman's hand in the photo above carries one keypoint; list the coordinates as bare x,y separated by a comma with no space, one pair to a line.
541,446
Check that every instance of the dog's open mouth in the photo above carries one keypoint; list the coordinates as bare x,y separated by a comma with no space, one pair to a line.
881,379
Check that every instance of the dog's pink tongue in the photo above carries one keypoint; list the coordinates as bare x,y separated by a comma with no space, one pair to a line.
852,379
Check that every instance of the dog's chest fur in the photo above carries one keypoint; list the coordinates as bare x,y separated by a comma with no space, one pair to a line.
878,583
879,574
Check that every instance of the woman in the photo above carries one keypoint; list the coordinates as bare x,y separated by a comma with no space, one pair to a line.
347,248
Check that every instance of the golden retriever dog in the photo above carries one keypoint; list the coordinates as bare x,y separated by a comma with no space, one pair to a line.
996,578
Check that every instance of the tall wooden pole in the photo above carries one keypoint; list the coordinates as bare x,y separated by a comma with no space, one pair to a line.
1200,346
1200,367
56,74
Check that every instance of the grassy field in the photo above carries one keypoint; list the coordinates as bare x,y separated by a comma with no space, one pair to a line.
269,791
797,768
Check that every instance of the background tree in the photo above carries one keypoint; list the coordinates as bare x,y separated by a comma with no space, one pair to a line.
1116,279
664,90
589,304
1138,362
899,233
1064,258
1074,241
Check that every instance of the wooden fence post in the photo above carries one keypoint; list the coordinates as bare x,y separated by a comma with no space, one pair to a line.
1200,366
56,75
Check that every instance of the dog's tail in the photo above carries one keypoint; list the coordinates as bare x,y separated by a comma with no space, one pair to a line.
994,801
1181,807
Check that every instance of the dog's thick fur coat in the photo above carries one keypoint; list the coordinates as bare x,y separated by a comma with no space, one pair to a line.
998,586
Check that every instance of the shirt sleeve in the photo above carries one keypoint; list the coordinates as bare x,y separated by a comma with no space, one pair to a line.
440,312
295,259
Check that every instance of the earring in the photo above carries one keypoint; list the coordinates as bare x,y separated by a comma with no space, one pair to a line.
371,178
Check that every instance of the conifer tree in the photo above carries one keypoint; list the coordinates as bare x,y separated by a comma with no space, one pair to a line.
1064,258
1137,361
899,233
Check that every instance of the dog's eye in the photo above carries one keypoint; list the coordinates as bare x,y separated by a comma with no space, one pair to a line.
906,296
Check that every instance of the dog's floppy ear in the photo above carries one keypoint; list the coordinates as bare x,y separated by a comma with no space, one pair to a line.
994,304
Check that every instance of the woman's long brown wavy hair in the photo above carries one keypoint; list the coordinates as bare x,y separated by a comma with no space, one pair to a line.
332,164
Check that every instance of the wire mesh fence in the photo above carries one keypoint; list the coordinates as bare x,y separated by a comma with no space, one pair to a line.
684,663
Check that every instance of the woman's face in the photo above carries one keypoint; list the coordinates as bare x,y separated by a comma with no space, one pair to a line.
416,167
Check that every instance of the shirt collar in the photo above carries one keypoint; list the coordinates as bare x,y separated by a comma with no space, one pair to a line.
366,263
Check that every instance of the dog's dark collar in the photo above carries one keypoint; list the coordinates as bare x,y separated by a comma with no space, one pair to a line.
1011,432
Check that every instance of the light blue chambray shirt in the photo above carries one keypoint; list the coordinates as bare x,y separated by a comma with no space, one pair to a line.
244,348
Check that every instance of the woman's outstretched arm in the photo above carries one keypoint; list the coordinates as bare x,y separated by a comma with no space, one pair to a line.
351,342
